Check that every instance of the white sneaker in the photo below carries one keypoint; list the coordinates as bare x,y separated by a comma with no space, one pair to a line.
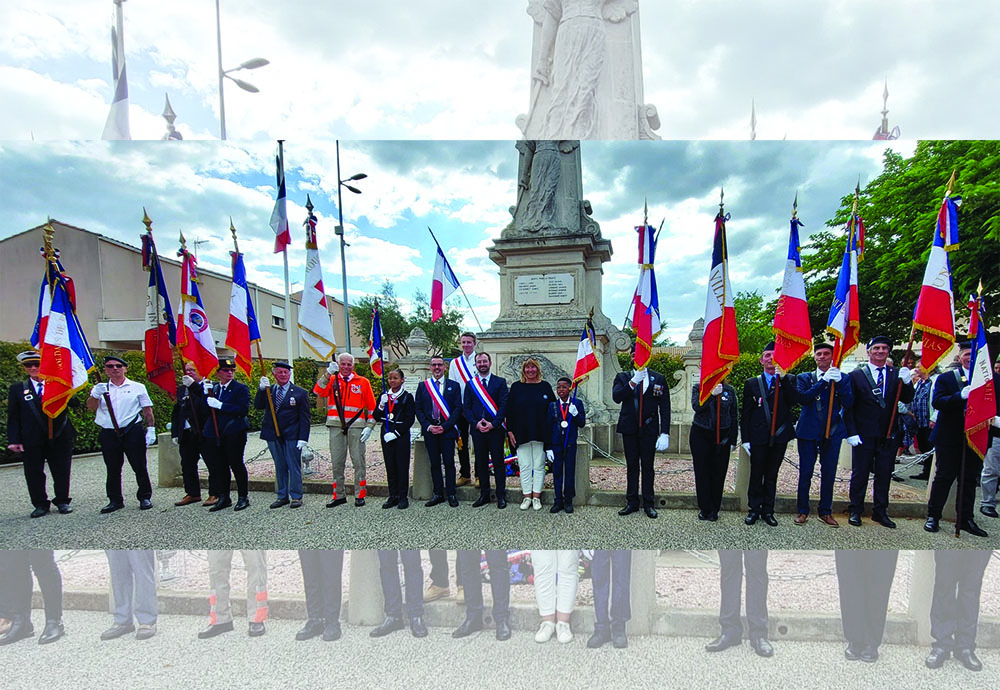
563,633
526,503
545,631
536,503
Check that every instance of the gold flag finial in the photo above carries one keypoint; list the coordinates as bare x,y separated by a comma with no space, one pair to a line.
951,183
795,205
147,221
232,229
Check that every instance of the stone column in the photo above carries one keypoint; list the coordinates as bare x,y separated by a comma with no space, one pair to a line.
642,592
742,478
921,591
168,462
365,600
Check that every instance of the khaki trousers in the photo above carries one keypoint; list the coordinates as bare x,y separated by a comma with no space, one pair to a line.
219,565
339,447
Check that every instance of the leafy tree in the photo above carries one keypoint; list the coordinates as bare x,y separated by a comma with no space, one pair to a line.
754,321
395,326
442,333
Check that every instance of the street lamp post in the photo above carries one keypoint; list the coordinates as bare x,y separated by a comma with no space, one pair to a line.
340,231
253,63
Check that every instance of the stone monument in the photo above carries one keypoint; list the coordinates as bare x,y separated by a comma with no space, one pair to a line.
586,72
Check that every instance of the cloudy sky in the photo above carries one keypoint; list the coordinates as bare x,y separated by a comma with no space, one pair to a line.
461,189
458,69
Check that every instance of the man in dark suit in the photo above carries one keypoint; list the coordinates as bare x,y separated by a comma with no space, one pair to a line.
470,575
291,408
185,433
868,429
864,580
16,568
951,391
647,390
486,417
28,433
439,406
958,586
566,418
611,572
767,404
811,430
732,565
223,407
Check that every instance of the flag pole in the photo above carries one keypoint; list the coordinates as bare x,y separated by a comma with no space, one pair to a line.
718,405
284,255
186,256
839,359
481,329
50,260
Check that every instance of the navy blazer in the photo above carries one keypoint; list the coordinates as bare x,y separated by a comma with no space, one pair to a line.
655,405
452,395
869,414
754,425
403,416
232,417
558,435
292,413
949,431
185,411
27,424
473,407
814,395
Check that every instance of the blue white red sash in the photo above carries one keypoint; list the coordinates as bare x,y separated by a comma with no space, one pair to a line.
463,369
484,397
439,402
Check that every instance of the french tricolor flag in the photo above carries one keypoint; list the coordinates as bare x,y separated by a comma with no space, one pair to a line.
279,216
721,345
586,360
844,322
981,406
161,333
65,354
792,333
935,312
646,302
444,283
194,336
243,330
375,344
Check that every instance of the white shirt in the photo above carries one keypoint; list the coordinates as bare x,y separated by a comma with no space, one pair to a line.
885,374
456,377
37,385
127,400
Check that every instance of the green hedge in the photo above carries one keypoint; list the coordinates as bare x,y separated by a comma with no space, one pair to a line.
662,363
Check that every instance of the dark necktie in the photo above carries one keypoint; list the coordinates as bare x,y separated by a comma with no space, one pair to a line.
41,389
437,387
880,383
279,395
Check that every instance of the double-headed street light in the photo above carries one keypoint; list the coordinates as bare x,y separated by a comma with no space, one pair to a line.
339,230
253,63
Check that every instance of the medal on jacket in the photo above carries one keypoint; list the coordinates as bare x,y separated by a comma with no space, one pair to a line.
563,409
390,403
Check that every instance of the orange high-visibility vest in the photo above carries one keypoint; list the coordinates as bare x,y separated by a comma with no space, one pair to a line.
355,395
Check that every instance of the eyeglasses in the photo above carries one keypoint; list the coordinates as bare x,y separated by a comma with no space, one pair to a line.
114,366
31,365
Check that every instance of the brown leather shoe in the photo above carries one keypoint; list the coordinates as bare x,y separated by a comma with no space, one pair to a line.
829,520
211,501
188,500
801,518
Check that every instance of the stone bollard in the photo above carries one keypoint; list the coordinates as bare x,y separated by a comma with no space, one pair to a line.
921,592
168,456
742,478
642,592
365,601
948,511
584,454
423,486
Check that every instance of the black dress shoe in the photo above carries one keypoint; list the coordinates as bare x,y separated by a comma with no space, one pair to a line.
279,503
884,521
256,629
972,528
650,511
296,503
145,504
53,631
64,508
619,640
112,507
435,501
390,625
242,503
481,501
556,507
568,507
312,628
39,512
869,654
20,629
403,504
713,517
359,502
723,642
336,502
452,501
503,630
600,638
751,518
854,519
931,525
215,630
117,630
501,502
628,510
222,504
331,633
417,627
851,653
937,657
769,520
468,626
391,502
702,516
762,646
968,658
988,511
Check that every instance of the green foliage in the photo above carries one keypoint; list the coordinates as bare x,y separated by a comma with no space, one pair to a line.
899,209
754,321
442,333
661,362
396,326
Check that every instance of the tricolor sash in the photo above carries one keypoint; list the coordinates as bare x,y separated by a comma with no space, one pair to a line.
463,370
484,397
437,398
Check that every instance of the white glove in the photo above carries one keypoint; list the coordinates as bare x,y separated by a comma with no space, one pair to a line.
746,447
214,403
150,435
662,441
383,400
717,390
965,392
640,376
206,386
390,436
832,375
996,421
187,381
98,390
264,383
906,375
854,440
299,445
175,441
550,455
366,434
572,410
331,369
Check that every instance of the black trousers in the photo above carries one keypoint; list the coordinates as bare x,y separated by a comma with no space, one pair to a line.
639,452
923,445
190,450
132,445
564,472
439,567
58,452
322,571
413,575
611,572
865,580
489,446
225,462
876,454
441,453
16,580
765,462
958,583
947,471
471,578
397,465
711,464
462,424
732,565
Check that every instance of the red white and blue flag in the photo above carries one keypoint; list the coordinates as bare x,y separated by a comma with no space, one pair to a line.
116,126
194,335
45,297
243,329
586,360
981,406
792,333
279,216
375,344
161,332
443,284
935,312
721,345
646,302
844,322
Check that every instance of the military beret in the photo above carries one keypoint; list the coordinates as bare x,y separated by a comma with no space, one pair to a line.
823,346
769,346
281,365
880,339
115,358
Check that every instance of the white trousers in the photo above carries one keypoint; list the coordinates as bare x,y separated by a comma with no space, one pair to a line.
531,460
557,574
